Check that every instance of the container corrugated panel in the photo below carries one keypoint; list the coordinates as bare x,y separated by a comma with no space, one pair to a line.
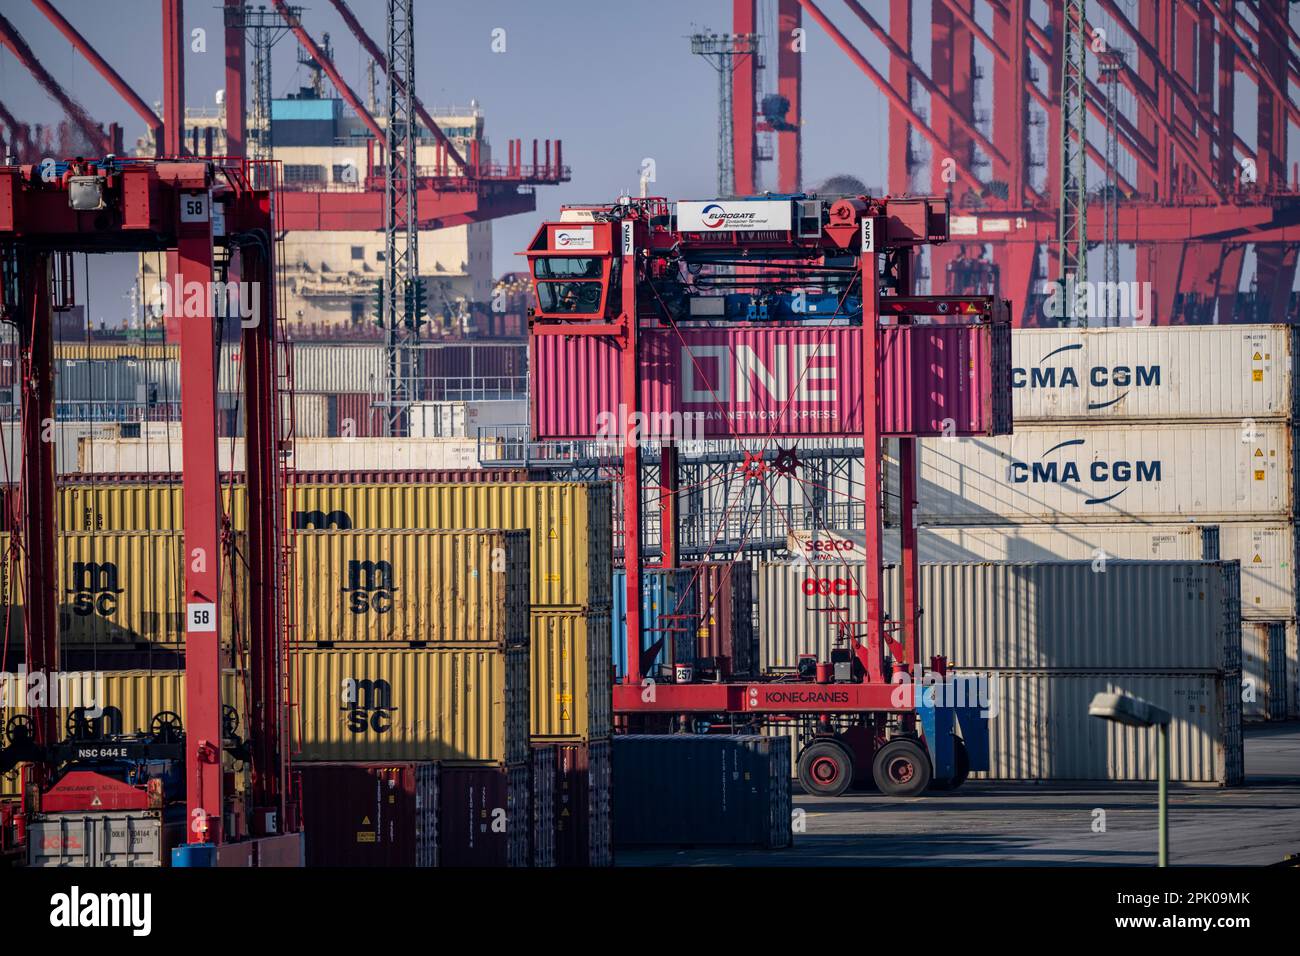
370,815
310,415
1266,551
758,381
128,587
118,455
570,692
104,351
570,524
104,839
400,704
701,789
669,610
726,631
1153,373
1269,669
1204,472
583,821
1177,615
542,841
357,415
436,587
484,817
317,368
1039,728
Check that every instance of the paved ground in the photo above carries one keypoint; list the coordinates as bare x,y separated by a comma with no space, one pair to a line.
1049,825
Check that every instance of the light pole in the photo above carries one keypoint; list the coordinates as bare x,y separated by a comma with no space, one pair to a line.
1136,712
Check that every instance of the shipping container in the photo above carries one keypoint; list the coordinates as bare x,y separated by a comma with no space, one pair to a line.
583,807
541,841
85,351
701,789
117,455
1267,552
380,704
370,815
464,419
1137,615
357,415
123,588
1202,472
570,693
484,816
1231,372
669,621
1039,728
102,839
760,381
1270,672
432,587
316,367
570,525
726,614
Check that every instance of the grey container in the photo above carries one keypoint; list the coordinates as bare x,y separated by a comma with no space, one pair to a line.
1136,615
1039,727
112,839
701,789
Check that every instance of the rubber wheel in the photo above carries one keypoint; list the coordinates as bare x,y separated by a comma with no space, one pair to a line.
962,759
902,768
825,768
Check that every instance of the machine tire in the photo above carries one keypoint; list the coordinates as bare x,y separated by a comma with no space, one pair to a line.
962,759
902,768
825,768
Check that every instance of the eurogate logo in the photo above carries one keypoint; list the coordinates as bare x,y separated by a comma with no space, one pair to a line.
1126,377
1098,471
714,215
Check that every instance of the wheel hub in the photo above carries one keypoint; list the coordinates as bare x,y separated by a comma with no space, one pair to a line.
825,770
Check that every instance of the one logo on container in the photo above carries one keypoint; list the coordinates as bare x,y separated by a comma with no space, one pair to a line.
368,705
1122,376
94,588
370,587
1098,471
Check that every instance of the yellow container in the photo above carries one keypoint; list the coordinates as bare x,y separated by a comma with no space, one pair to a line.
449,704
439,587
81,351
134,506
570,524
570,690
129,701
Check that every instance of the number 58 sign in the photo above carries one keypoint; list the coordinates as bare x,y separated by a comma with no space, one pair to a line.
194,207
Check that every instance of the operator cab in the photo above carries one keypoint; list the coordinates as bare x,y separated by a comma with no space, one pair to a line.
573,264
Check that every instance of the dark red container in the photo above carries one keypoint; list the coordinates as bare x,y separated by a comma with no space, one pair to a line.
726,631
583,808
357,814
484,816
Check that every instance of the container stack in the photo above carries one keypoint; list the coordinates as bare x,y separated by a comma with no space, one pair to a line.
1173,443
412,646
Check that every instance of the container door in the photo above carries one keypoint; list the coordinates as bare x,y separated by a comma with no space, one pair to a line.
1278,691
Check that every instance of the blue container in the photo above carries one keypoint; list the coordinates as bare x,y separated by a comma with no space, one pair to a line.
194,854
666,595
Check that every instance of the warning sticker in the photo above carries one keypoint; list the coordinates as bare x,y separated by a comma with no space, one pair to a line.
1257,375
1259,475
1257,357
1257,560
366,836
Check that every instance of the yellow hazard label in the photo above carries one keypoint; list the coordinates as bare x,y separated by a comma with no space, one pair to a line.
1259,475
1256,560
1257,357
1258,375
365,821
551,534
564,698
564,714
366,836
1259,453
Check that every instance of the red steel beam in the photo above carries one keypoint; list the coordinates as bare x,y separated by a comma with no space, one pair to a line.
1252,62
317,54
744,126
919,75
382,61
900,153
789,83
890,93
14,41
102,66
173,143
236,112
1009,107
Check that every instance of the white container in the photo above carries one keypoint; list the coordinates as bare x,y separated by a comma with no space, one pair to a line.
1270,670
1203,472
100,456
1039,728
1137,615
1267,552
464,419
1148,374
316,368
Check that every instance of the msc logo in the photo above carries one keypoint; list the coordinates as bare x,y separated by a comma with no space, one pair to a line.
368,705
1098,376
321,521
371,585
94,588
1070,472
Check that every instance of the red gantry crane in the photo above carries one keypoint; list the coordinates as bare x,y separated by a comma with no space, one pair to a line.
759,322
